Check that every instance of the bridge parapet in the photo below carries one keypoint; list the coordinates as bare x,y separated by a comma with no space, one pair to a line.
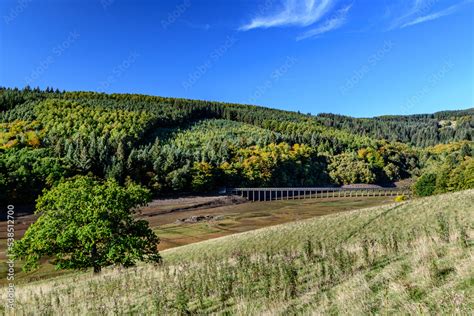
270,194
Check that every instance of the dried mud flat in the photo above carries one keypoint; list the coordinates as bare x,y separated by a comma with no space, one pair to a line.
173,220
25,217
164,206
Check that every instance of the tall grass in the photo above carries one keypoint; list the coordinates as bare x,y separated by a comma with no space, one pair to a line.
411,257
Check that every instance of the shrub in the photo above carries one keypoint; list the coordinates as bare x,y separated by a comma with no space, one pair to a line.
400,198
425,185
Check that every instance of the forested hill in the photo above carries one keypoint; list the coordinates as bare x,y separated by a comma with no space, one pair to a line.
418,130
176,145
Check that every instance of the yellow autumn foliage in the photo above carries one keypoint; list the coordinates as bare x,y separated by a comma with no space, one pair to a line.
20,133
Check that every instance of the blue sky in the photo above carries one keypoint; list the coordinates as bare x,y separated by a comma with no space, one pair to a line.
357,57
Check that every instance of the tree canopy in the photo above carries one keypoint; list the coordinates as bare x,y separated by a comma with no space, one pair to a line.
172,144
84,223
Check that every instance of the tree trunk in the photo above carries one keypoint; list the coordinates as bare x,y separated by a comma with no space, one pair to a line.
94,256
97,269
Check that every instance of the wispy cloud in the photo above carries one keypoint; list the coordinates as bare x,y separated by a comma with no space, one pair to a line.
292,12
334,22
433,16
421,11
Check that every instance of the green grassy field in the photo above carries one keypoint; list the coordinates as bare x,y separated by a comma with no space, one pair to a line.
234,218
413,257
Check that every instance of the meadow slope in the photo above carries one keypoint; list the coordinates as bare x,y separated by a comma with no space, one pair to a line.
411,257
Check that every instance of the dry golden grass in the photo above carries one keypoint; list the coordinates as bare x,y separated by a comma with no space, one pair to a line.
410,258
235,218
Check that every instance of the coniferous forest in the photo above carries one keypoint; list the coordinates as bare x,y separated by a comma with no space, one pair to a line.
172,145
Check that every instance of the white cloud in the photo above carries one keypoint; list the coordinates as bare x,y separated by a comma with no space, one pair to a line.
332,23
293,12
420,12
432,16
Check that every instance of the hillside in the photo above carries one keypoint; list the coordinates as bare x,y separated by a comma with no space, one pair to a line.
176,222
418,130
412,257
175,145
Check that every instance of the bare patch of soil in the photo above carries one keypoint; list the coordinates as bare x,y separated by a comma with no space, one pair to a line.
198,219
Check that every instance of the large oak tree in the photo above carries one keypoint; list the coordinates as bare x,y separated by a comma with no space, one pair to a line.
85,223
